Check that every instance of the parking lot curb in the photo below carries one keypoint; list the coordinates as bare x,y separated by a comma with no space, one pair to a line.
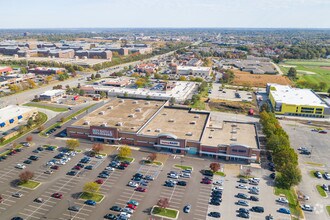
161,216
28,187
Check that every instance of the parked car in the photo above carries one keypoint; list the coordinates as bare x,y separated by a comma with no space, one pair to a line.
241,186
326,176
206,181
182,183
38,200
187,208
90,202
133,184
284,210
257,209
20,166
282,200
218,183
74,208
27,161
207,172
325,187
17,195
116,208
57,195
272,175
242,203
215,214
244,210
99,181
71,173
242,196
110,216
133,202
307,208
318,174
140,189
254,198
131,206
243,180
89,167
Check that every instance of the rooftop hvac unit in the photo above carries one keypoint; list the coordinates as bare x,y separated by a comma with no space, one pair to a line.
148,130
138,110
121,101
234,139
234,131
131,115
147,103
157,105
164,114
104,124
189,134
210,137
110,107
212,130
101,113
234,125
119,124
86,123
135,102
158,130
192,122
171,120
196,116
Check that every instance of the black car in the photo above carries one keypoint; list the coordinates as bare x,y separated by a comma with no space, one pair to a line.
121,167
116,208
243,215
243,210
80,165
242,196
272,175
215,214
216,200
3,157
33,157
27,161
254,198
182,183
40,148
216,203
74,208
110,216
17,218
71,173
89,167
138,175
207,172
243,181
257,209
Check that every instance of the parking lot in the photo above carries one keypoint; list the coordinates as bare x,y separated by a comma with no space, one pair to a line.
301,135
116,190
218,92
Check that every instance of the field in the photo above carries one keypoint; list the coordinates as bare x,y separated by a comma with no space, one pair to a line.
309,70
248,79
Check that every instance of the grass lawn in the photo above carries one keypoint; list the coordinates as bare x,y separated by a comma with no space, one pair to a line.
96,197
311,173
219,173
30,184
158,163
321,191
322,75
198,105
315,164
52,108
129,159
183,167
171,213
43,120
291,195
43,133
328,209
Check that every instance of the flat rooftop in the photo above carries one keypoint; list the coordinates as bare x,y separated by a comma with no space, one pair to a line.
295,96
229,133
125,114
12,111
53,92
179,122
196,68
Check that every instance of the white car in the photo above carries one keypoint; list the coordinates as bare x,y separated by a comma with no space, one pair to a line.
307,208
173,176
218,183
124,214
128,210
133,184
110,168
241,186
50,163
20,166
254,188
325,187
185,175
99,157
217,188
254,179
17,195
282,200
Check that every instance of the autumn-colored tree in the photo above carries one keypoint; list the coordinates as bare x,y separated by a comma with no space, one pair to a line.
25,176
29,138
125,151
152,157
215,167
163,203
91,188
97,147
41,128
72,144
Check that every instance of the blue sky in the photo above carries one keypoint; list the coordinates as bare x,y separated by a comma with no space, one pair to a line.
164,13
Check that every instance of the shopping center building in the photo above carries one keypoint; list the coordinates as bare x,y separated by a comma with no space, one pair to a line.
181,130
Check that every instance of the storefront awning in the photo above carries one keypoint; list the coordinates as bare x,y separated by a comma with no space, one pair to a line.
106,138
229,155
171,147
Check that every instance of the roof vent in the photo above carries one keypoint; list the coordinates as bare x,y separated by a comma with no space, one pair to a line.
121,101
189,134
101,113
104,124
131,115
135,102
158,130
138,110
171,120
86,123
192,122
148,130
119,124
210,137
196,116
234,131
147,103
110,107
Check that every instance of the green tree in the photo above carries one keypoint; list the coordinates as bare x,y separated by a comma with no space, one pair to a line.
277,140
103,94
125,151
290,176
283,156
97,76
72,144
92,76
322,86
91,188
292,73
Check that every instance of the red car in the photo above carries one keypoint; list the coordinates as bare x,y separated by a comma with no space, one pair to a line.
131,206
76,167
55,167
99,181
124,164
141,189
57,195
205,181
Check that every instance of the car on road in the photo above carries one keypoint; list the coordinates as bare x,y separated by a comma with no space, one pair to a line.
20,166
242,196
17,195
307,208
187,208
254,198
140,189
215,214
110,216
242,203
57,195
318,174
282,200
74,208
38,200
284,210
116,208
90,202
258,209
241,186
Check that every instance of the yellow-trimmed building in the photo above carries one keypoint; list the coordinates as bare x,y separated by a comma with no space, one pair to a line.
290,101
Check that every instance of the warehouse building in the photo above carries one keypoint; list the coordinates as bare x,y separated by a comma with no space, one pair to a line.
52,95
13,115
180,130
290,101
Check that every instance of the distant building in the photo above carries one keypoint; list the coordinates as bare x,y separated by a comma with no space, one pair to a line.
52,95
146,68
5,70
94,54
192,70
12,115
47,70
290,101
117,82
